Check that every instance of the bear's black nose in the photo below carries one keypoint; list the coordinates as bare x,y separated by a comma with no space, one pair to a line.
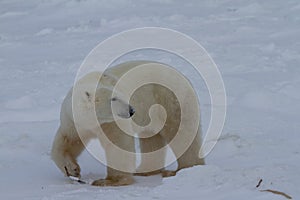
131,111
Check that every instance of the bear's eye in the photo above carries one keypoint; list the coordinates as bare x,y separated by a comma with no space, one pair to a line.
114,99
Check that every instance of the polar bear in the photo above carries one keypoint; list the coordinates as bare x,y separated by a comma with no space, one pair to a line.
73,134
76,130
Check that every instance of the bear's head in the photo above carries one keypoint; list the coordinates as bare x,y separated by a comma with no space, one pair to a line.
94,93
107,104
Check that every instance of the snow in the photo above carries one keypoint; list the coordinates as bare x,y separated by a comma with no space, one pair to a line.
255,44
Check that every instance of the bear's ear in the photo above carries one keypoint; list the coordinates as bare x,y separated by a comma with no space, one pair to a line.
88,96
108,79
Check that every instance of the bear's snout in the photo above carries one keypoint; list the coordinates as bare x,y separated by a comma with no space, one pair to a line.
131,111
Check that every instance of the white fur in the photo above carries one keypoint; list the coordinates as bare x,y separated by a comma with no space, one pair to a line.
68,145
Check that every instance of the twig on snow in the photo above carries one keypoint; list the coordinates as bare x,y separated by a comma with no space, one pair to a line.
259,182
277,192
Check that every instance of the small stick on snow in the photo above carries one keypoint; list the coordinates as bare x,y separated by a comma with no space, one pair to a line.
259,182
73,178
277,192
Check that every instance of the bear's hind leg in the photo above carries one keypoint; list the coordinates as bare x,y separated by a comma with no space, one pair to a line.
191,157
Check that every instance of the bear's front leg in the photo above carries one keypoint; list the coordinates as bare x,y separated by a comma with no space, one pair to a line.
151,165
115,178
66,148
120,156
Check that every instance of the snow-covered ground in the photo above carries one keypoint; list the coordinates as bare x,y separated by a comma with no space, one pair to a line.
255,44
